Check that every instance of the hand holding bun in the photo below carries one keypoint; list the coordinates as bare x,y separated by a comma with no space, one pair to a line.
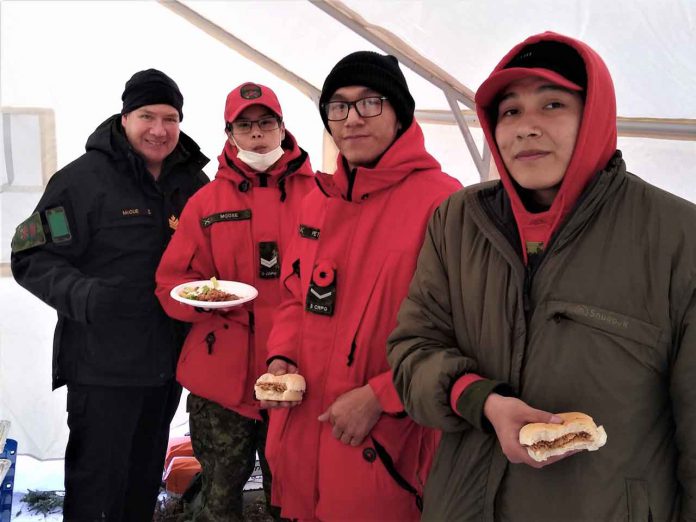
578,432
286,387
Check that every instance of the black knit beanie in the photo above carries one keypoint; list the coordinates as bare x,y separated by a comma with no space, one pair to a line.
376,71
151,87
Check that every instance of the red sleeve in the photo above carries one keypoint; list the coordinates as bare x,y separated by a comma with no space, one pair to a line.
383,387
460,385
287,320
187,249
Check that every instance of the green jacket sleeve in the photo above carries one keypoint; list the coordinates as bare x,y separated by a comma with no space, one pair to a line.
683,393
422,350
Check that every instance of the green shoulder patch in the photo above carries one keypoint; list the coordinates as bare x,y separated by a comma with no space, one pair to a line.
58,225
29,234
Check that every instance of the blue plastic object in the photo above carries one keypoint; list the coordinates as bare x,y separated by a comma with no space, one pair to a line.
9,453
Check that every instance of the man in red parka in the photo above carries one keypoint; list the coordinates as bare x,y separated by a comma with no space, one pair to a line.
238,229
348,451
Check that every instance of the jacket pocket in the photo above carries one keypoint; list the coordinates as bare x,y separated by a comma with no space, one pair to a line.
378,308
608,321
638,501
638,338
214,361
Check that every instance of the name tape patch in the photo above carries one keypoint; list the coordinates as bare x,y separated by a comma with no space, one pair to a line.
230,215
127,212
309,232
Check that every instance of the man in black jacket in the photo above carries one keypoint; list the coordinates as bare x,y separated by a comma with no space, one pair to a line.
90,250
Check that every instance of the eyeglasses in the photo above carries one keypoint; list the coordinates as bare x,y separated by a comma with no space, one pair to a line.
365,107
268,123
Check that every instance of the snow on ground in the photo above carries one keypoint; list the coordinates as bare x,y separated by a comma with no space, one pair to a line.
47,475
32,474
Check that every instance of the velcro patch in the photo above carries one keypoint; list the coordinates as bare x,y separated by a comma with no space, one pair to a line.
230,215
309,232
29,234
58,225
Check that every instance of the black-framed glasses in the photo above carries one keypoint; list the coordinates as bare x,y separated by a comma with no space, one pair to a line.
265,124
365,107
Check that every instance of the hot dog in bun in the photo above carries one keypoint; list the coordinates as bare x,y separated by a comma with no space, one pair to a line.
578,432
287,387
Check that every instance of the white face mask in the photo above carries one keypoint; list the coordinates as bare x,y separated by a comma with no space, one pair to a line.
259,162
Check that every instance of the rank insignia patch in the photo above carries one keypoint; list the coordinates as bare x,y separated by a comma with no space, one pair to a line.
269,262
321,296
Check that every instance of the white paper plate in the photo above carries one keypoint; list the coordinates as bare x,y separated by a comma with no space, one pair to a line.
245,292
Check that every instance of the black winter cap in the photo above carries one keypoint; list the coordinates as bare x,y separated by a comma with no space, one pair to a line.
151,87
555,56
376,71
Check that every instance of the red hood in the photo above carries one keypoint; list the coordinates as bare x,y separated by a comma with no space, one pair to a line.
406,155
240,171
595,145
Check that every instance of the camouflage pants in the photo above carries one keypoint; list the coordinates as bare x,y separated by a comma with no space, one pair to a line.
225,443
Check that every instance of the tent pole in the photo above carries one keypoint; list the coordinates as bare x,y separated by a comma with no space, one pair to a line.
231,41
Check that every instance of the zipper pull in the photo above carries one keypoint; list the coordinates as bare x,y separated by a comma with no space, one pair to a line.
527,289
352,353
210,341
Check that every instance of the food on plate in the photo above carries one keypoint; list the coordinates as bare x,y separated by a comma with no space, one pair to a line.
287,387
578,432
209,293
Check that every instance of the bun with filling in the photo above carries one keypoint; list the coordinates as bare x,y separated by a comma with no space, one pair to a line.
578,432
287,387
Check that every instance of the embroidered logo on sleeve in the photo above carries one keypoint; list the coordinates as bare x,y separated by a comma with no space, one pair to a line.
29,234
309,232
230,215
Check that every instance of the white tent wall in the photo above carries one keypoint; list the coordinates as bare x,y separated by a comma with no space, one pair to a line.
74,58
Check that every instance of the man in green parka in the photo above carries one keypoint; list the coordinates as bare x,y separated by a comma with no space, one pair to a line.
568,285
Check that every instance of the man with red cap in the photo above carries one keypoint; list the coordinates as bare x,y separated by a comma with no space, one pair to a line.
348,451
567,286
237,229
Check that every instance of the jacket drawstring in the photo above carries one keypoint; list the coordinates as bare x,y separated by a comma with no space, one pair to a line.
283,194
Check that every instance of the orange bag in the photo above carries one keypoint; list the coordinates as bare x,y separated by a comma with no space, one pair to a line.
180,473
180,466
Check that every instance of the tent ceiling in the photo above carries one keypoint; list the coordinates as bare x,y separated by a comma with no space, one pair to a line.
648,46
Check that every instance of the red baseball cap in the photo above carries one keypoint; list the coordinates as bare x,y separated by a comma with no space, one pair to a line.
249,94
